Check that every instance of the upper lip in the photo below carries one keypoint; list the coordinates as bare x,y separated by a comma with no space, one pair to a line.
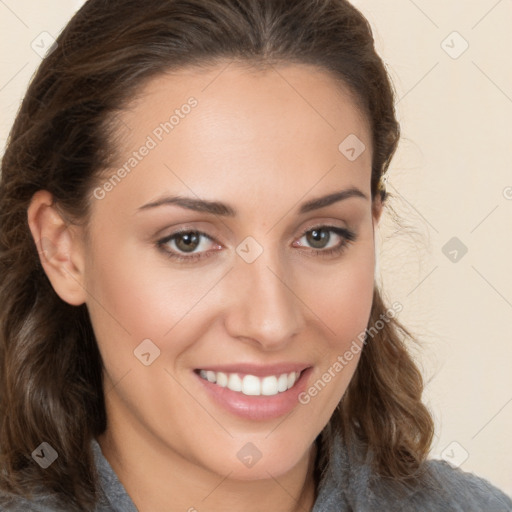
258,370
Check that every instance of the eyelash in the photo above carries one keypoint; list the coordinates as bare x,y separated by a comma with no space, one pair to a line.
348,237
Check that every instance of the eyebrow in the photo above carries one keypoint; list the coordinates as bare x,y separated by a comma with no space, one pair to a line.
219,208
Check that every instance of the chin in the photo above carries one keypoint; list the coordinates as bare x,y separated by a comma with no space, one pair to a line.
262,459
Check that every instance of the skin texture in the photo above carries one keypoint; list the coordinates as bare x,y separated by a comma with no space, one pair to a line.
263,142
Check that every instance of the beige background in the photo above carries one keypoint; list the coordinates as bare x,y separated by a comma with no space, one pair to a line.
452,177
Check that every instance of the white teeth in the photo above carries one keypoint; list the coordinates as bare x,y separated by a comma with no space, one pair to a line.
234,382
282,383
250,384
222,379
269,386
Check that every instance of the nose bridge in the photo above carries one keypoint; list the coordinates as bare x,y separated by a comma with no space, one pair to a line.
264,307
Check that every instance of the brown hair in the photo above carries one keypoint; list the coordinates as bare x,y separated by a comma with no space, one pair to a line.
63,139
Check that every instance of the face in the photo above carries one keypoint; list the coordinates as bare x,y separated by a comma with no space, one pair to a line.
214,315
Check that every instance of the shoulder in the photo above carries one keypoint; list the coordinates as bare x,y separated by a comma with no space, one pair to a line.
447,488
468,490
350,482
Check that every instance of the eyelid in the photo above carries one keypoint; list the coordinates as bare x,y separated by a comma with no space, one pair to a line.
347,235
184,228
168,238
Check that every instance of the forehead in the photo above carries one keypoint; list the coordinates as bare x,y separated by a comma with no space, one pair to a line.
235,91
287,123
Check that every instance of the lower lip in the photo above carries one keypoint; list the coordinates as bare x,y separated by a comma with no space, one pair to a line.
257,408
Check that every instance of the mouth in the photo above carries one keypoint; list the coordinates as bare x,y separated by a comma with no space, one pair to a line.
253,392
252,385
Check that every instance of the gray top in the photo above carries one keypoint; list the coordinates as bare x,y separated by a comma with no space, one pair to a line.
345,486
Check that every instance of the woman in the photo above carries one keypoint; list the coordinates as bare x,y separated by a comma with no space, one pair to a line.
189,315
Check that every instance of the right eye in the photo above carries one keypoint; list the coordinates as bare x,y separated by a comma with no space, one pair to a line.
186,241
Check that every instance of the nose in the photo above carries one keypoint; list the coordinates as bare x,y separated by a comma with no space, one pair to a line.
265,309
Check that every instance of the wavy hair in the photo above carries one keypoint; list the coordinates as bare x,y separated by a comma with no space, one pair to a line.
64,137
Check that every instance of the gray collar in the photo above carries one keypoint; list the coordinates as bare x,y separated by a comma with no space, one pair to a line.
114,497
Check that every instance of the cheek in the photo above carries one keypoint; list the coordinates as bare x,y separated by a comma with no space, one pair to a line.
343,305
135,297
133,289
343,297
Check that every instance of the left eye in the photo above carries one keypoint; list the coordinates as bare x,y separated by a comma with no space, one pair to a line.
190,245
319,238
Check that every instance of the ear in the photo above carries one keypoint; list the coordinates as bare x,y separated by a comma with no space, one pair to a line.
377,207
376,214
59,246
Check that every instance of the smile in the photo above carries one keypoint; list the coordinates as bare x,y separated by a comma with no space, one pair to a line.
257,392
252,385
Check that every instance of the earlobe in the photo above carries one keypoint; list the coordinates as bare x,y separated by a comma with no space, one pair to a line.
60,250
